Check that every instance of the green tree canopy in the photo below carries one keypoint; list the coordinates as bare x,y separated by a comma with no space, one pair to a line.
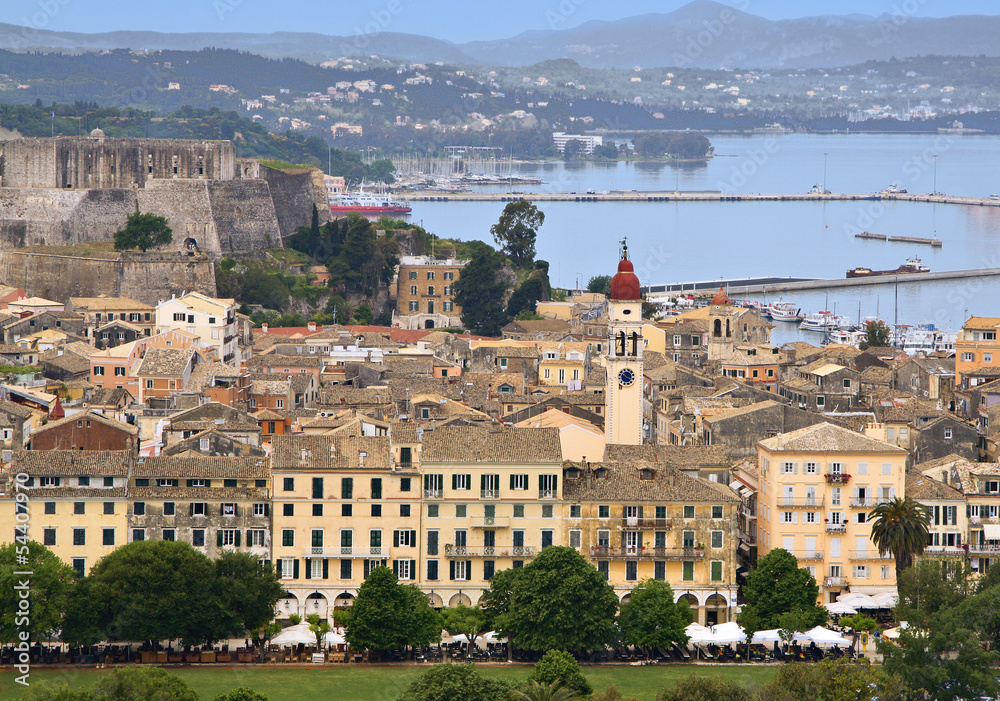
600,284
561,602
150,590
525,298
651,617
495,601
900,528
452,682
516,231
561,669
776,587
241,693
468,620
50,588
481,292
834,680
876,335
143,231
540,691
387,615
246,588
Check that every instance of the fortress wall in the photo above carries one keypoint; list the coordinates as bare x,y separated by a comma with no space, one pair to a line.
244,215
294,195
148,278
29,163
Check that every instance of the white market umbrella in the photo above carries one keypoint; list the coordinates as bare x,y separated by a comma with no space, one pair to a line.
491,637
766,636
295,635
699,634
887,600
893,633
822,636
859,601
460,638
726,633
839,607
334,638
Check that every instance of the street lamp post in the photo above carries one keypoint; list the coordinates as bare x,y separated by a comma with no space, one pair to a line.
824,173
935,174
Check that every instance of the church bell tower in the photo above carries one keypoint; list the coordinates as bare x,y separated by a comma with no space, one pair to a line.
623,394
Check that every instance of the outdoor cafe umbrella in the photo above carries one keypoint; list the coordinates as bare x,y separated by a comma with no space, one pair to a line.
727,633
291,636
334,638
822,636
839,607
699,634
766,636
893,633
491,637
859,601
887,600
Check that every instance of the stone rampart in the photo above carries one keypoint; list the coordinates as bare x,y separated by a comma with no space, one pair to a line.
148,278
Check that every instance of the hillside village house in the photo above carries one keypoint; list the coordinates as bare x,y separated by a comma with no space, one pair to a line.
212,321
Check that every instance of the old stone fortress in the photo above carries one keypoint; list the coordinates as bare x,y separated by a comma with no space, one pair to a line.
68,190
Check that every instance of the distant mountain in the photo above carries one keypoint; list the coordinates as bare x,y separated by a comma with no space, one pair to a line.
707,34
703,34
304,46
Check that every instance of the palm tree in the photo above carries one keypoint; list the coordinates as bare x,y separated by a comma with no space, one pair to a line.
546,692
900,528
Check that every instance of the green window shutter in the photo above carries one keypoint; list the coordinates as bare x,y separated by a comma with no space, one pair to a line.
326,569
624,511
413,538
249,539
218,537
395,568
295,569
555,482
237,535
191,509
308,568
639,542
190,483
512,481
640,512
267,509
454,481
451,570
236,511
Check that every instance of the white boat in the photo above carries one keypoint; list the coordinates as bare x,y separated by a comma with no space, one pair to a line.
784,311
823,321
925,338
846,337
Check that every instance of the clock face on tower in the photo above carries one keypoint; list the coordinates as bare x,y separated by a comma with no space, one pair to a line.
626,377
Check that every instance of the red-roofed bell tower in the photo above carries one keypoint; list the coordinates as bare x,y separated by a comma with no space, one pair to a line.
623,394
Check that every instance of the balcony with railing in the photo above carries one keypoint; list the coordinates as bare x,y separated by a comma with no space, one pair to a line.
808,555
374,551
837,478
432,493
867,503
490,522
658,523
807,503
946,551
548,494
836,528
863,555
984,549
489,551
612,552
489,493
746,537
835,581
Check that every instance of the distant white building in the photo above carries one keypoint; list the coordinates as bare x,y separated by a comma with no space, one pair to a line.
587,143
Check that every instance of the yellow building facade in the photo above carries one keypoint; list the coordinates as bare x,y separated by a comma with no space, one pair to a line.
816,487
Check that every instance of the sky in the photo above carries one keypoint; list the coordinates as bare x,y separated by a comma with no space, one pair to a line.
452,20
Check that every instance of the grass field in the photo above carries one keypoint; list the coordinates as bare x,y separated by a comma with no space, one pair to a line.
384,683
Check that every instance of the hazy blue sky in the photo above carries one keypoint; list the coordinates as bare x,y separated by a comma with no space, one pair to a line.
455,20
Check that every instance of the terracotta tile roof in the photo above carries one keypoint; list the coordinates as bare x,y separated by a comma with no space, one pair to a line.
90,415
404,432
623,482
742,410
985,371
828,438
982,322
454,444
678,456
274,360
877,375
921,488
212,494
68,362
213,414
164,362
203,467
100,304
330,452
58,463
108,396
351,396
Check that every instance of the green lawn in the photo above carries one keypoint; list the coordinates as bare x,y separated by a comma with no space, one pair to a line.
384,683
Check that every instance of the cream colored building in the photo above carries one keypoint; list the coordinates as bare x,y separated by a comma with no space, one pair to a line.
817,486
212,320
491,500
78,506
640,520
579,438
